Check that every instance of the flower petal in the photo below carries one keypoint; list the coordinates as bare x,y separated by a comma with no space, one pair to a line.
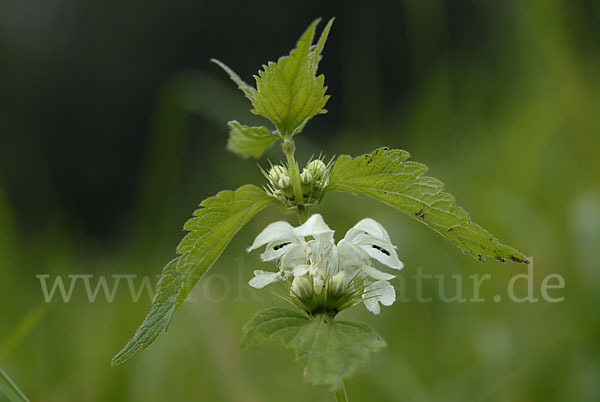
264,278
350,255
318,285
278,249
369,235
372,305
375,273
293,256
314,226
277,232
369,226
300,270
378,292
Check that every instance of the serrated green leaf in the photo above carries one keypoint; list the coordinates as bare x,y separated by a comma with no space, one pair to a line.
331,350
210,230
10,389
388,176
249,141
275,322
289,93
245,88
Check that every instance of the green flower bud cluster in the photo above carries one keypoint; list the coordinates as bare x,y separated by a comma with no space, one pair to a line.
314,178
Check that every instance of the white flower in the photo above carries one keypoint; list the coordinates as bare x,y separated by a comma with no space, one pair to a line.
378,292
264,278
288,244
344,271
370,237
366,240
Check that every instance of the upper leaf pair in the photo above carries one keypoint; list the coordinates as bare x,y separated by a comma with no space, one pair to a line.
288,93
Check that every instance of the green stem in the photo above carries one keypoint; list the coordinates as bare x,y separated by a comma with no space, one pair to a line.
340,393
302,213
289,148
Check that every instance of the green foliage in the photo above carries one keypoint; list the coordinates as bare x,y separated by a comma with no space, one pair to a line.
210,230
277,322
249,141
10,389
388,176
289,92
331,350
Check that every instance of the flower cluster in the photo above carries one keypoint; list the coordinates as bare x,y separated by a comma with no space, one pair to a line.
325,278
313,180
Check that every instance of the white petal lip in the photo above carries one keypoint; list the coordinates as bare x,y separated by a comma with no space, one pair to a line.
264,278
375,273
378,292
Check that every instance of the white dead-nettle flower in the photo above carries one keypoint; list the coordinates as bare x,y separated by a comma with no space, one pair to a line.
323,277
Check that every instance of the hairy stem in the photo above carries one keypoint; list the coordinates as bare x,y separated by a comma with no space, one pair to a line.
340,393
289,148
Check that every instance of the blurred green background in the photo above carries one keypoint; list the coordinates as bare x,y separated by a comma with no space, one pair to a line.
113,129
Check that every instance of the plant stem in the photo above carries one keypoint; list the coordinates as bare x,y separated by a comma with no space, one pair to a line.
289,148
340,393
302,213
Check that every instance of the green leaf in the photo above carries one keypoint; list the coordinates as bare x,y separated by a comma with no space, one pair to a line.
211,229
245,88
10,389
388,176
289,92
249,141
331,350
281,323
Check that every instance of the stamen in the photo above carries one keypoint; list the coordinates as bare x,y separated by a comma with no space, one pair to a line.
384,251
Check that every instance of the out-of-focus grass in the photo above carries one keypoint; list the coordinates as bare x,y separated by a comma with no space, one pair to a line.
515,137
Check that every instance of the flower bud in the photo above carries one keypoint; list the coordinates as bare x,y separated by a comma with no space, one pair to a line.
301,287
317,284
284,181
306,176
338,283
276,172
316,168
